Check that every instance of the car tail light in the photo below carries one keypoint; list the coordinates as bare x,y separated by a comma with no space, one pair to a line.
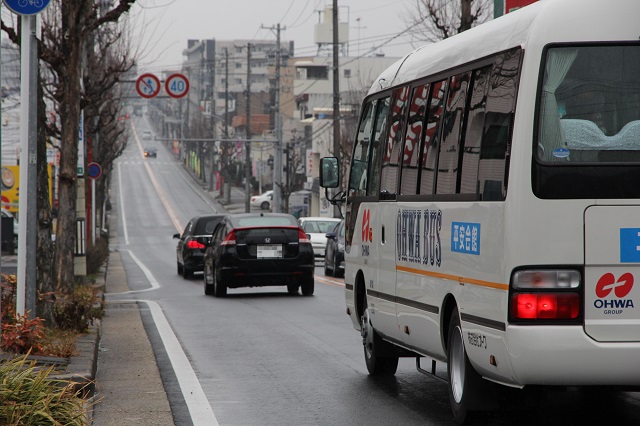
193,244
550,306
230,239
302,237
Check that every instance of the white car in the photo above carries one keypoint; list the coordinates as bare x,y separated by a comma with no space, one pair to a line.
316,229
263,200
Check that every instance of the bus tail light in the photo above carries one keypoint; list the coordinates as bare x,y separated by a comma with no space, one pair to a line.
545,296
545,306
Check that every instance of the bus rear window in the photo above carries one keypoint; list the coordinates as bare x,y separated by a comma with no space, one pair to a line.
590,105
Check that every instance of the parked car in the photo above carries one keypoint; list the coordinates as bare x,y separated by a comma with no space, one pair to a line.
263,200
316,229
334,252
150,152
257,250
193,242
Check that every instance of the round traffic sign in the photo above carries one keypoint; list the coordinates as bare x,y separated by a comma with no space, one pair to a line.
94,170
27,7
177,85
148,85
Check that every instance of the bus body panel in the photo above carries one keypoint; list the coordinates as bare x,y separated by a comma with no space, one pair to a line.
612,273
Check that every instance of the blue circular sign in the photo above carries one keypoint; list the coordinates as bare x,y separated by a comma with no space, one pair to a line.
27,7
94,170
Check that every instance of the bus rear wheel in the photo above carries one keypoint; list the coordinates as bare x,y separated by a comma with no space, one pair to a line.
374,346
465,384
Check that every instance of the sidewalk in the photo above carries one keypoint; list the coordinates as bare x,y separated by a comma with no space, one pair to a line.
129,390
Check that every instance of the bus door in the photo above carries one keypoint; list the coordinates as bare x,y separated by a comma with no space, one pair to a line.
612,273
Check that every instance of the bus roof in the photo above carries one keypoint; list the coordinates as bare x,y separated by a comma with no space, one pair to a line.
538,24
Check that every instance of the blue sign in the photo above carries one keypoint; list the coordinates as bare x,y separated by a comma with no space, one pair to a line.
465,237
630,245
27,7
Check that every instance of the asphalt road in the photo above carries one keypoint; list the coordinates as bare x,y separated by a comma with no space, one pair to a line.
263,357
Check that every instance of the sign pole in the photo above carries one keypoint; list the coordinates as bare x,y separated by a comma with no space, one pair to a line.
26,273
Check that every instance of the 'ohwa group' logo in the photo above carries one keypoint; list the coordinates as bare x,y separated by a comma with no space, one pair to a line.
621,287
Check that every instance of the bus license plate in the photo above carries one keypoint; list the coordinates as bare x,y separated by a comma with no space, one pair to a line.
269,251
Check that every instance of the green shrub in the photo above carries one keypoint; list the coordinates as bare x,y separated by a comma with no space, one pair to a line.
97,255
78,310
28,396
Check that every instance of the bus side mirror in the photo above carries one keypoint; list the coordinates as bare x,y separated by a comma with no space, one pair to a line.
329,172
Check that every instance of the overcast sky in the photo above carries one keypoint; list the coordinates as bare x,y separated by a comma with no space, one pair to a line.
162,27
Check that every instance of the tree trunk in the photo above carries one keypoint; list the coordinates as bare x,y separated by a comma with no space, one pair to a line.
44,245
70,117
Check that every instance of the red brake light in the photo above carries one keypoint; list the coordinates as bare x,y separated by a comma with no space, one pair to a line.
193,244
230,239
302,237
542,306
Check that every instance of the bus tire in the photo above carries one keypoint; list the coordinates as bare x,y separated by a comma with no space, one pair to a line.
377,365
465,383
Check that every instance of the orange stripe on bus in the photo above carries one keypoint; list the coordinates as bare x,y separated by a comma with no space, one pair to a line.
456,278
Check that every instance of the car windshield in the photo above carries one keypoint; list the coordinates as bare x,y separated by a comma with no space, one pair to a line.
590,105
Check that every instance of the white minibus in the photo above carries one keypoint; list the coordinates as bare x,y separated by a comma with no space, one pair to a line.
492,208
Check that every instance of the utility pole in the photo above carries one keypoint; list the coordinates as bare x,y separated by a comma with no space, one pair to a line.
247,143
336,85
277,160
212,71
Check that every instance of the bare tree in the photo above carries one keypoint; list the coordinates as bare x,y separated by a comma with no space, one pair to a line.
67,25
435,20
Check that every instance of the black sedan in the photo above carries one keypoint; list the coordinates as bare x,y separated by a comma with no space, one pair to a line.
193,242
334,252
256,250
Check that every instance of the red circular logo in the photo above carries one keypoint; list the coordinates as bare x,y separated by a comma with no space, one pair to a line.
608,282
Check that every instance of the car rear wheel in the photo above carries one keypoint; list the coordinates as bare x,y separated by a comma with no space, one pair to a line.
327,270
377,364
208,287
264,205
219,288
179,268
187,273
308,287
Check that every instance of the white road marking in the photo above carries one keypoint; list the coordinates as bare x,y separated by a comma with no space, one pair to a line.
197,403
124,218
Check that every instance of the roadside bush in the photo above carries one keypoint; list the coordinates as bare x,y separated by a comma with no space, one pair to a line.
78,310
28,396
97,255
20,334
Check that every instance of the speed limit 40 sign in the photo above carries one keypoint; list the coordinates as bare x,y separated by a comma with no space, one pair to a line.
176,85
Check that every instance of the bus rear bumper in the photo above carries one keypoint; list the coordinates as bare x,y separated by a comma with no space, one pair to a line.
566,356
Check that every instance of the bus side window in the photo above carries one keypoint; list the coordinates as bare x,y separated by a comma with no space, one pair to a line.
493,167
449,155
473,133
380,126
361,152
393,146
413,136
432,137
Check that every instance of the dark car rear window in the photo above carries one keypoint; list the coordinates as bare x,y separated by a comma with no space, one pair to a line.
266,221
206,226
